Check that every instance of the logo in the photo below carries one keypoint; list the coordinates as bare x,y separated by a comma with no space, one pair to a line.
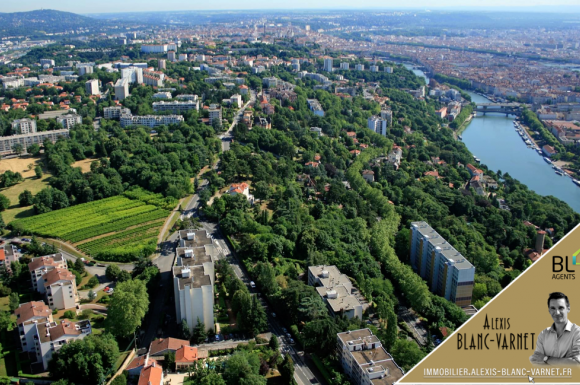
561,264
574,258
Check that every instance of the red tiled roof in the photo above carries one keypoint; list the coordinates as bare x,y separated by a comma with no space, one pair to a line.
30,310
166,344
186,354
151,375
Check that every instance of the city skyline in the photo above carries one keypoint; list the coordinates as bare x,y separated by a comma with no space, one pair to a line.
108,6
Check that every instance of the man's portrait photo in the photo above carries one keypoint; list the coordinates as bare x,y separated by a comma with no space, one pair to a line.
559,344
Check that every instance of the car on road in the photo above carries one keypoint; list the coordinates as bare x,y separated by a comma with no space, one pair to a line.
274,315
284,330
289,335
26,239
252,284
291,341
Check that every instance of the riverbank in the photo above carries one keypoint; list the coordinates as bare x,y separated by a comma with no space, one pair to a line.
463,126
495,140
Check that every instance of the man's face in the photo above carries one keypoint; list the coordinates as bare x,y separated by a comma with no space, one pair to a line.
559,310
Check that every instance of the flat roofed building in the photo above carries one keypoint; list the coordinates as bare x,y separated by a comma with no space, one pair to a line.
68,121
365,360
7,143
315,107
336,290
194,277
150,120
115,112
175,106
447,272
92,87
122,89
215,114
24,126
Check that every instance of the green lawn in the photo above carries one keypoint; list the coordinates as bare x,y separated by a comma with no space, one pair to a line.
31,184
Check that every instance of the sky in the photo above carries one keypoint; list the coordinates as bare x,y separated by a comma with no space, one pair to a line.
113,6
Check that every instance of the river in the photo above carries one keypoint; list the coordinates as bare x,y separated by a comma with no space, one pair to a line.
494,140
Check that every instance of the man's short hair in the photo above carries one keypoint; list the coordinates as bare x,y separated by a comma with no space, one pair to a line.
558,295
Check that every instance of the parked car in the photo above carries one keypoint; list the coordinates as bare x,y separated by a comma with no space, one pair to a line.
289,335
274,315
217,338
101,265
284,330
291,341
252,285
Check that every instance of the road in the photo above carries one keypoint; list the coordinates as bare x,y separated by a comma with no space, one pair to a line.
227,136
302,373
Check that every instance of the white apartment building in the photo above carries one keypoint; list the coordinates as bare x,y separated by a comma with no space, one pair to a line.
24,126
51,336
182,57
86,69
175,107
236,100
41,265
365,360
328,64
7,142
315,107
336,290
27,315
215,114
115,112
122,89
193,278
380,124
194,98
92,87
270,82
154,48
133,74
389,70
150,120
154,78
61,289
162,95
344,66
162,64
359,67
68,121
374,68
50,62
171,56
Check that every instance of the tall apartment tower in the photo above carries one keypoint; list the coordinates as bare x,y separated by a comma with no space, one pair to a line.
162,64
344,66
446,271
328,64
92,87
122,89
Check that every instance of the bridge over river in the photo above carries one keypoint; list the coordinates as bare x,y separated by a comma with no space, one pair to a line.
502,108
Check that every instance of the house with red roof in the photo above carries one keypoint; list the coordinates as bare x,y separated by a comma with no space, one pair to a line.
151,375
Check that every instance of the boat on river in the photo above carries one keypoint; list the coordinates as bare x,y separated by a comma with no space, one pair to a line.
460,137
576,182
558,172
548,160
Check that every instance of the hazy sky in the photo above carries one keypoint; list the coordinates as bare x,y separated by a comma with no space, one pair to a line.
111,6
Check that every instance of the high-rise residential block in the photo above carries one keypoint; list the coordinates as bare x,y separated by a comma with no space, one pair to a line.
446,271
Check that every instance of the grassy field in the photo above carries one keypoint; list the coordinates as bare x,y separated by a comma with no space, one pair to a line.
118,228
85,164
31,183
